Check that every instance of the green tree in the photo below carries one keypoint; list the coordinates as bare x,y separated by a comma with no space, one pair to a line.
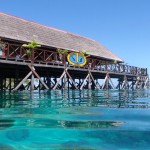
30,47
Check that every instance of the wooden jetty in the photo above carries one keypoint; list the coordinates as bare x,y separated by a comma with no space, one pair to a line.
47,68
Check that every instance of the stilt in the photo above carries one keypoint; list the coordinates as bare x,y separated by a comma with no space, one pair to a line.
32,82
35,73
137,83
125,84
1,83
10,82
88,78
146,85
54,88
89,83
84,82
32,72
106,83
65,81
64,75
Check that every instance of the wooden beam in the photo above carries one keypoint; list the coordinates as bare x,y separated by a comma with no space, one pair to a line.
105,81
35,73
71,79
111,83
54,88
125,83
93,79
26,77
83,82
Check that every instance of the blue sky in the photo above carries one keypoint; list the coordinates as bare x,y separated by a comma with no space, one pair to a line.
122,26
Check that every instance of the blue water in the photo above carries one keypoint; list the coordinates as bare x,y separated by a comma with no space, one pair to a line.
75,120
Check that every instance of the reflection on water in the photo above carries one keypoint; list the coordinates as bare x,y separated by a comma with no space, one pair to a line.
58,98
74,119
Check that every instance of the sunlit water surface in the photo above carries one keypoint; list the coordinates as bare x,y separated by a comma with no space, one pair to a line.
75,120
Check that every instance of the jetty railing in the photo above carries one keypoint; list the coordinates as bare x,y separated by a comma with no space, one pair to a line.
51,57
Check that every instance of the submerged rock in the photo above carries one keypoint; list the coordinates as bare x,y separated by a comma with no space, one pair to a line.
5,147
17,134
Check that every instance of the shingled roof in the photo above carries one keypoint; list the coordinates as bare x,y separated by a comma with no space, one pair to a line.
15,28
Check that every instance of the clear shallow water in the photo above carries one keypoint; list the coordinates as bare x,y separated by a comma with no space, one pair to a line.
76,120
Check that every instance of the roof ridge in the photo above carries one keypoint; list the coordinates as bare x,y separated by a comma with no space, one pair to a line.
47,26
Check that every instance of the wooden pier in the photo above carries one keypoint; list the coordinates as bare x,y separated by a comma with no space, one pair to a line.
21,74
47,68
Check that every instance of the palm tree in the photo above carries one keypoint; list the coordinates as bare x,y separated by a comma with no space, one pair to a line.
31,46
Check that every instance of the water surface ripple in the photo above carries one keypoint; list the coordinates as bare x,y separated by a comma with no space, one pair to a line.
75,120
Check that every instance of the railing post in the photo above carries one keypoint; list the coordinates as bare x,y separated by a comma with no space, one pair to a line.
32,56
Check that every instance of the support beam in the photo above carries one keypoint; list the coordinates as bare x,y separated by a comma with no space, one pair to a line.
54,88
93,80
125,84
71,79
35,73
137,82
84,82
146,85
26,77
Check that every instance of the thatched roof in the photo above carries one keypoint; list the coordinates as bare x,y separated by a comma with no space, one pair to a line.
15,28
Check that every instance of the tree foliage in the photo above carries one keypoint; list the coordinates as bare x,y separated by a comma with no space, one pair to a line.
32,45
62,51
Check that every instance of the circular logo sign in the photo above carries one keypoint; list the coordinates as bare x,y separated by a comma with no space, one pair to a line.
76,59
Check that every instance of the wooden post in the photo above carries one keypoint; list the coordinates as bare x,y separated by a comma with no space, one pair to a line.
119,84
10,82
137,82
89,83
146,82
1,83
65,80
125,84
32,56
32,82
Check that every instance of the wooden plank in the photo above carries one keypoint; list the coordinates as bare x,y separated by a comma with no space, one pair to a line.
26,77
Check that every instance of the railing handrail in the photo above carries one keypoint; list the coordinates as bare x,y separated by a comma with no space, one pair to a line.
49,56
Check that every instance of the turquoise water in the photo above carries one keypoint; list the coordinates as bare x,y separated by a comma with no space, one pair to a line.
75,120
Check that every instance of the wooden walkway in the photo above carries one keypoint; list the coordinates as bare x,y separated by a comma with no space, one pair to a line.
20,74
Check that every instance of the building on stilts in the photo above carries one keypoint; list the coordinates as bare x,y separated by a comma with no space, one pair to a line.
49,67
